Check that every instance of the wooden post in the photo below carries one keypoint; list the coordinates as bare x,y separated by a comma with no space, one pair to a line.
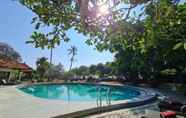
20,75
10,76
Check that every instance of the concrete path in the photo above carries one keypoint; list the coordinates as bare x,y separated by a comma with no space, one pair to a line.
147,111
16,104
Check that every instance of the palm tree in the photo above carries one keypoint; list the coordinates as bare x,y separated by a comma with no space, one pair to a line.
42,66
72,52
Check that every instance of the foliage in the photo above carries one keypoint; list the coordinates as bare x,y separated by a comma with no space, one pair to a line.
7,52
47,70
68,75
146,36
82,15
158,51
55,71
82,71
42,66
35,75
100,70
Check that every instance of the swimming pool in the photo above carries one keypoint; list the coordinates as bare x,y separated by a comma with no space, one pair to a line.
81,92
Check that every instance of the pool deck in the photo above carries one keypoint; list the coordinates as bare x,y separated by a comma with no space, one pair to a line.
148,111
17,104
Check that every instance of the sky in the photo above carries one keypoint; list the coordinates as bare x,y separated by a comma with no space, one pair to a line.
16,28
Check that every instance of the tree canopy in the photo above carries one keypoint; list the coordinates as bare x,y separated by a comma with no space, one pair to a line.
147,37
46,70
100,70
42,66
7,52
98,19
158,51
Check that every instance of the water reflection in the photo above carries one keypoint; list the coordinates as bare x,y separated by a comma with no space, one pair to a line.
82,92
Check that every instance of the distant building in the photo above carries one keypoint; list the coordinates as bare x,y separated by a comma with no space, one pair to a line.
9,68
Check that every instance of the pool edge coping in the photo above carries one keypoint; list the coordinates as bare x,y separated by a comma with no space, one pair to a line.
103,109
148,97
144,93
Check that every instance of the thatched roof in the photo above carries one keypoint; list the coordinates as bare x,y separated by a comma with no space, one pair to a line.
9,64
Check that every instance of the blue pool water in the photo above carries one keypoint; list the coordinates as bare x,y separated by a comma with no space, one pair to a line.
81,92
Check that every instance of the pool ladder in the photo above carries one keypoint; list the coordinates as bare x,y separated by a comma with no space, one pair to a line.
99,100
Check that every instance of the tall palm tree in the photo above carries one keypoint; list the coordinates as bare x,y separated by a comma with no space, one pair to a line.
72,51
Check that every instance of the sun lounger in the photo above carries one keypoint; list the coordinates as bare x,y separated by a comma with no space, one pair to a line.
4,82
173,105
168,114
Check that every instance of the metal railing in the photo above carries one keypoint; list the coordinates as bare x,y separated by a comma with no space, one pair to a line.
99,100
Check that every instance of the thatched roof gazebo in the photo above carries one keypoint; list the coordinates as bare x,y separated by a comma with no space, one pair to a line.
11,67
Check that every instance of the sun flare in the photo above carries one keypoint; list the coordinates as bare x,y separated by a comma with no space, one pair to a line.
104,9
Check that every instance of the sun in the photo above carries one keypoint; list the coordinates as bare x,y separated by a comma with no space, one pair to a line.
103,9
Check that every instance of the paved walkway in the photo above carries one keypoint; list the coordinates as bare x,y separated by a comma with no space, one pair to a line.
149,111
172,94
131,113
16,104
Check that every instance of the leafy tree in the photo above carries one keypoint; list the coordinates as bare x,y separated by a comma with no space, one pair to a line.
95,18
42,66
102,70
83,70
45,69
168,37
93,69
55,71
72,52
68,75
7,52
145,42
99,70
158,47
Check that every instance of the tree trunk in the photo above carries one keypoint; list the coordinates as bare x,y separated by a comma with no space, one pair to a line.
83,5
70,65
51,55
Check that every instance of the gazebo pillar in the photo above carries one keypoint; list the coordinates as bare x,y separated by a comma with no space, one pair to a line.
20,75
10,76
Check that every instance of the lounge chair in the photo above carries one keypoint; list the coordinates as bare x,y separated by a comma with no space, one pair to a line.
4,82
168,114
173,105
